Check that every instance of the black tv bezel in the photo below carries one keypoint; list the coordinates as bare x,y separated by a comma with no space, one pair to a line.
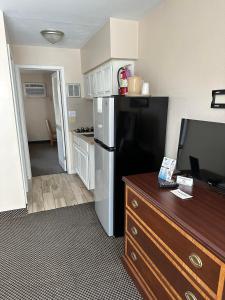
215,183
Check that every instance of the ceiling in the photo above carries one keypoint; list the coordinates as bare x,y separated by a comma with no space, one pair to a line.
78,19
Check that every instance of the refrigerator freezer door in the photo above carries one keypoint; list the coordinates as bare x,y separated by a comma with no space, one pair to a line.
104,120
104,174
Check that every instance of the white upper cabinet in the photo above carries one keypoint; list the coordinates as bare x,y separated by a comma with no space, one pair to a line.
87,92
107,79
102,81
92,84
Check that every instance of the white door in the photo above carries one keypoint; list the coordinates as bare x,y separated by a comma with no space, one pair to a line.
103,193
84,175
104,120
76,159
92,79
87,86
82,165
57,99
99,82
107,79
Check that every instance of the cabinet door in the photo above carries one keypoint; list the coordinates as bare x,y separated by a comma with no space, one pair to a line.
77,159
87,86
92,80
99,82
107,79
84,174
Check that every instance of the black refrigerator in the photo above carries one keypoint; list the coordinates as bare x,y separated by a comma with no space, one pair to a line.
129,137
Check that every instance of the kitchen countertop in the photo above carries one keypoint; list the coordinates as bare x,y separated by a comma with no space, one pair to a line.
89,140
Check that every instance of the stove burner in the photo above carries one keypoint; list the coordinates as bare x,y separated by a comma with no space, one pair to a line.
84,129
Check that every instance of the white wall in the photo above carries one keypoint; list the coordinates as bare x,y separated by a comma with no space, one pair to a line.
51,56
182,55
97,49
124,39
84,112
11,185
38,110
117,39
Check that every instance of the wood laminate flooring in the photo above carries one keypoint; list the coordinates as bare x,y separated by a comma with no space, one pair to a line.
55,191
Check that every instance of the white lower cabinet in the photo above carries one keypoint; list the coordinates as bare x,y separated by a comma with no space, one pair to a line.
84,168
84,162
76,159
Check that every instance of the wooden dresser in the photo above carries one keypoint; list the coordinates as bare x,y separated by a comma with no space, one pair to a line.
174,249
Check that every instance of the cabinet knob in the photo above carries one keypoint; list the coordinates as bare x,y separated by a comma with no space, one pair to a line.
190,296
133,256
195,260
134,203
134,230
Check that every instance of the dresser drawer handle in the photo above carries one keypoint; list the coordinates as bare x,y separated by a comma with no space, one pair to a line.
134,230
133,256
134,203
196,261
190,296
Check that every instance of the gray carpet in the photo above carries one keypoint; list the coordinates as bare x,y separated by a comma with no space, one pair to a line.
44,159
61,254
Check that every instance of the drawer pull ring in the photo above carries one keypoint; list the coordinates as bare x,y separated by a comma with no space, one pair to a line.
134,230
195,261
190,296
133,256
134,203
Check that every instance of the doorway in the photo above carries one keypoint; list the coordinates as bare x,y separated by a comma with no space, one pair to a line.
47,191
42,126
58,116
42,113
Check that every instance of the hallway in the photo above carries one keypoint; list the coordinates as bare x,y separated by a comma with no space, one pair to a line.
55,191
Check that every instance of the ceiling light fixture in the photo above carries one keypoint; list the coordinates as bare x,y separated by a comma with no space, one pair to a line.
52,36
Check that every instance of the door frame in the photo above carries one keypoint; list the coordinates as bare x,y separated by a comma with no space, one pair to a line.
21,113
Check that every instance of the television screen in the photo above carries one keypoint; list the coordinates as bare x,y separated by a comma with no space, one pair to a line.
201,150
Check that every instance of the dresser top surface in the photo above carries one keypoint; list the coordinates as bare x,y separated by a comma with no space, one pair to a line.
202,216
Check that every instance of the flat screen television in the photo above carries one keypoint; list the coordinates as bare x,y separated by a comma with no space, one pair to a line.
201,151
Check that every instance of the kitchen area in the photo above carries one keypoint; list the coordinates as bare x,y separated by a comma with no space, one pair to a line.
100,62
124,132
98,83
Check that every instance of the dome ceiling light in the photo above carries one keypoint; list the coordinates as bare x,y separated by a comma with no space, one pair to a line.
52,36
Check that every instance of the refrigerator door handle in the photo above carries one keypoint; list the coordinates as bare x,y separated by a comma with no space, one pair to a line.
110,149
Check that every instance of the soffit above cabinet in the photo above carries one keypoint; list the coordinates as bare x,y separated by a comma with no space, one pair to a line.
117,39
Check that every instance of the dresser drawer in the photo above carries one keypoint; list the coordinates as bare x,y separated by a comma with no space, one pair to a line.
199,262
150,280
223,297
180,284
